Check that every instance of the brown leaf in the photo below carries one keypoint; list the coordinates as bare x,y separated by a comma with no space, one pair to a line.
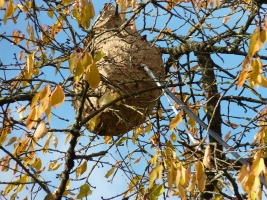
207,157
41,130
226,137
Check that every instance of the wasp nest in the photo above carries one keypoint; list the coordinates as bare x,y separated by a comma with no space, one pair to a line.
121,74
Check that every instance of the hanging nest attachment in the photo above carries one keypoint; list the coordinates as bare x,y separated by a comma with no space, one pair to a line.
121,74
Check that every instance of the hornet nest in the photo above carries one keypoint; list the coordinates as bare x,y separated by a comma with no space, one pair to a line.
120,74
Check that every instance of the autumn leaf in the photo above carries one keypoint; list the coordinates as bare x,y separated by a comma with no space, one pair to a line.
93,76
32,118
137,160
55,141
84,191
207,157
41,130
243,174
254,44
226,137
2,3
11,141
98,56
30,62
257,166
231,124
192,185
152,177
176,120
81,169
111,171
200,174
57,97
107,139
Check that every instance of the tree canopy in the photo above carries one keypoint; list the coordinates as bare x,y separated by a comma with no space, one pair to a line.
133,99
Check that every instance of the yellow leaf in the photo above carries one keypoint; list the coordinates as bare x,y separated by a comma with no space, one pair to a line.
87,16
93,123
24,179
55,141
32,118
20,111
2,3
152,177
192,185
154,159
263,36
37,163
30,62
48,112
23,8
83,167
84,191
121,141
218,3
9,11
93,76
176,120
54,166
107,139
57,96
79,71
257,166
9,187
46,146
173,137
200,174
263,81
207,157
41,130
249,184
11,141
98,56
68,138
73,61
254,45
243,174
35,99
110,172
87,60
148,128
50,13
160,113
106,98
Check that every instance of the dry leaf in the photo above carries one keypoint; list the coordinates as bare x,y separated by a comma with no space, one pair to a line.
207,157
226,19
226,137
41,130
